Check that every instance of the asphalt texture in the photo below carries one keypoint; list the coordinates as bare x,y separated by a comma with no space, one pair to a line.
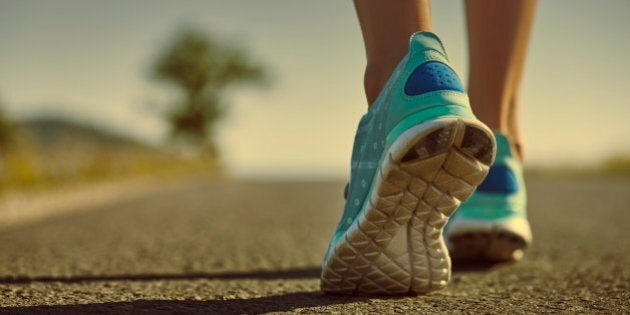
230,247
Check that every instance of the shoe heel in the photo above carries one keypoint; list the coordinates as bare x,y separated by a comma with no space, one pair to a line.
395,245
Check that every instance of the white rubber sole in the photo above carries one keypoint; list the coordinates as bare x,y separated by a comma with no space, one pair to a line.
489,241
395,245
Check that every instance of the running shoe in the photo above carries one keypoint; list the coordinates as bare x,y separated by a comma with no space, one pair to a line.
418,153
492,225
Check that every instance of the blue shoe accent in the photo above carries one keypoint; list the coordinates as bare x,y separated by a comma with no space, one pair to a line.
432,76
500,180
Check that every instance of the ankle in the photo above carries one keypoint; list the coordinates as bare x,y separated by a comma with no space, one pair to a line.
377,73
516,141
373,81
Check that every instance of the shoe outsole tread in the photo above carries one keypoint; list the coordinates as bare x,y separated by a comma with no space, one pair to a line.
395,245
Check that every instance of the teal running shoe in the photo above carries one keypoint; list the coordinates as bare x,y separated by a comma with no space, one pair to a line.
418,152
492,225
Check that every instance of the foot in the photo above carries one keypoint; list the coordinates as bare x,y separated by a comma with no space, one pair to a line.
418,152
492,225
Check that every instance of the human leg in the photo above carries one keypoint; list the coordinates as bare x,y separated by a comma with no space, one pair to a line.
498,36
386,27
492,225
418,152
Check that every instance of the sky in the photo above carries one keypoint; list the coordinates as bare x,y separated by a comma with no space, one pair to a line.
91,60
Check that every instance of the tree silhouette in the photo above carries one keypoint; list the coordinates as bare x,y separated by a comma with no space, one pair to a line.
6,132
203,68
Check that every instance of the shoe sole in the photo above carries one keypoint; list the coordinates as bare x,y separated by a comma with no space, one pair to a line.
395,245
480,241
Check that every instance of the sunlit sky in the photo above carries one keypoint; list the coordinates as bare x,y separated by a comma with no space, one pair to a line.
90,60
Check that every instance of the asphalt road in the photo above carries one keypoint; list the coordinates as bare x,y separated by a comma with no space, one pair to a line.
254,247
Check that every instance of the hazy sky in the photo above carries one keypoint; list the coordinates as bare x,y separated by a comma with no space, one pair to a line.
91,60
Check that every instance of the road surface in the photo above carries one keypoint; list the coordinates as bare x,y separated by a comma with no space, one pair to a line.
220,246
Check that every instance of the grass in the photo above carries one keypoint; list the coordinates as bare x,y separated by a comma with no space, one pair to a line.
28,166
618,166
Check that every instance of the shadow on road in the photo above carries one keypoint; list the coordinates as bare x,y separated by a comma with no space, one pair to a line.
460,267
300,273
275,303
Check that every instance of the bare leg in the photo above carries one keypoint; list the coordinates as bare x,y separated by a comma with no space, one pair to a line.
386,27
498,35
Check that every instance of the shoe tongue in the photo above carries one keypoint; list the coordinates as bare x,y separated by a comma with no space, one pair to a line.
422,41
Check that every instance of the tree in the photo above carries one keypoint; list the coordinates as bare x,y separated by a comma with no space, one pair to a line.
202,68
6,133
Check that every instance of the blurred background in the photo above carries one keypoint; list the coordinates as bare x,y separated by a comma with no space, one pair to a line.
191,156
252,89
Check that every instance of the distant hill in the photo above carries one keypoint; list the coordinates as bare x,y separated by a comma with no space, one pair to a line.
51,151
52,132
